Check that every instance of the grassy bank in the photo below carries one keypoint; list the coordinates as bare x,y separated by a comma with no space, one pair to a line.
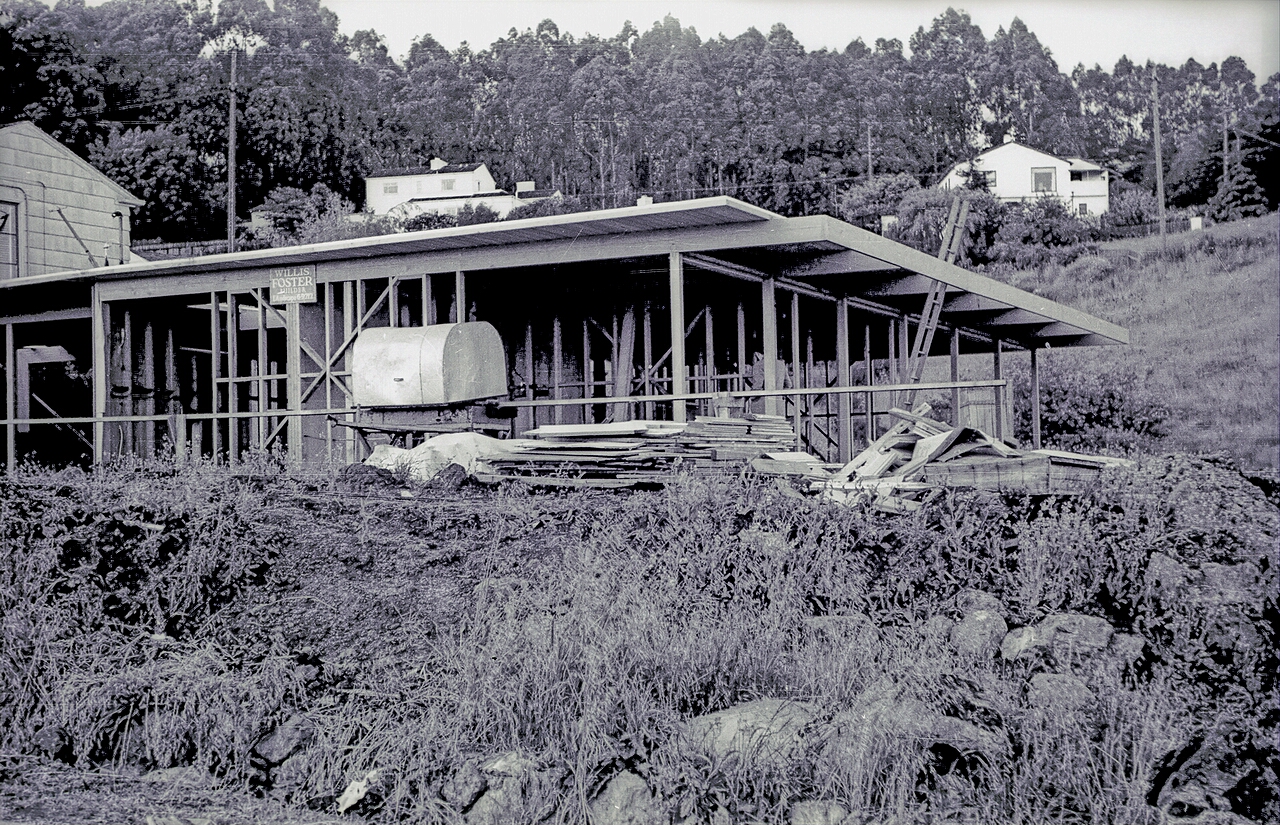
1204,314
276,638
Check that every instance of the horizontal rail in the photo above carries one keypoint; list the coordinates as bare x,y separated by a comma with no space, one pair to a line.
803,391
162,418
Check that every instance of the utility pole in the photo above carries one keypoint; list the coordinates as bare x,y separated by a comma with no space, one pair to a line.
231,160
1155,119
1226,171
870,169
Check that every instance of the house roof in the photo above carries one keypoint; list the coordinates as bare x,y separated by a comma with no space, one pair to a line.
406,171
31,130
530,194
818,254
463,196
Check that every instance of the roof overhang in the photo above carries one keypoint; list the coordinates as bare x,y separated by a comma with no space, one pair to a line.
819,253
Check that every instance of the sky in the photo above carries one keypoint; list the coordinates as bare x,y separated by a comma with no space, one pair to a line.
1076,31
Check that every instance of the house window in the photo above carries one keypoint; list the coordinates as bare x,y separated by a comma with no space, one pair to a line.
990,178
1077,176
1042,180
447,185
8,240
1084,209
390,188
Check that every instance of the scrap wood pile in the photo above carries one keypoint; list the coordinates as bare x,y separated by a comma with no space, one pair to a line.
919,455
626,453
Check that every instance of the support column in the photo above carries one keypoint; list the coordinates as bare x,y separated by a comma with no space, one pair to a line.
743,366
215,357
1035,399
796,400
1002,394
624,360
460,294
100,330
557,366
844,407
233,392
894,377
648,361
428,305
679,383
709,347
769,341
871,381
10,401
955,376
293,378
149,387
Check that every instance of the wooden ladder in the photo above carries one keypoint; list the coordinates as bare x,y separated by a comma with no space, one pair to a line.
952,240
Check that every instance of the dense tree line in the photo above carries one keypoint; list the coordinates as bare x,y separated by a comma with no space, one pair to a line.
140,87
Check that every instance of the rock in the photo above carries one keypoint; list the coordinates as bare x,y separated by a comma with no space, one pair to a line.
1019,642
626,800
1126,648
451,477
1058,692
979,634
293,734
465,786
818,812
1073,633
938,629
861,736
970,601
1225,775
766,731
519,789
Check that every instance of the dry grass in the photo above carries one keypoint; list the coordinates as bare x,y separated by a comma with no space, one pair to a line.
1204,316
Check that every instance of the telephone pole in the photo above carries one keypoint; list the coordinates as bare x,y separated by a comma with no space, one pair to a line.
231,160
1155,119
870,169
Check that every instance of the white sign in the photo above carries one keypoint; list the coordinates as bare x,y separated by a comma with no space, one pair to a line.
293,285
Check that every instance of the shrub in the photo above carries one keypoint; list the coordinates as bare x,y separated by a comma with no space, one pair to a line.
1087,409
863,204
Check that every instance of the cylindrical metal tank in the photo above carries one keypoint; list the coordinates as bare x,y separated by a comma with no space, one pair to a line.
431,366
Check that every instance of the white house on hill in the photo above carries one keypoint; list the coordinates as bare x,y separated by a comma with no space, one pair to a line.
1015,172
443,188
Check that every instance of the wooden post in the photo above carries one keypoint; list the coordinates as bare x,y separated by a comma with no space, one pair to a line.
1035,399
743,366
557,367
955,376
893,360
844,405
709,348
871,382
769,340
101,320
126,338
1155,122
10,400
588,374
233,392
326,369
810,401
149,387
393,303
997,372
797,400
171,395
293,378
460,294
348,326
648,361
624,360
428,302
679,381
215,352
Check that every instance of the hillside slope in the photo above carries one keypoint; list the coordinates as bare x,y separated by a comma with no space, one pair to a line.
1204,315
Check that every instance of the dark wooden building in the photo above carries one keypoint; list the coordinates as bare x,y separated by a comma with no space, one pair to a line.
655,311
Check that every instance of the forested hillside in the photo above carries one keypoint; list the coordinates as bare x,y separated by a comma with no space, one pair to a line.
140,87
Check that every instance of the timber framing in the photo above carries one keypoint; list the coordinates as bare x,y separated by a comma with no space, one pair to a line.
646,311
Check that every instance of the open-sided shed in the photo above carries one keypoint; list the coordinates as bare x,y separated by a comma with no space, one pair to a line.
649,311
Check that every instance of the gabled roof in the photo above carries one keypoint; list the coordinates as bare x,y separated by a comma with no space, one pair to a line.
407,171
29,129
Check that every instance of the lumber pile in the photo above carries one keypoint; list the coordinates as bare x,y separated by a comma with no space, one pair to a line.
627,453
918,455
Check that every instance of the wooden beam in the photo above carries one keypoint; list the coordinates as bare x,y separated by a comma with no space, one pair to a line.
679,381
264,399
769,341
844,262
955,376
101,330
969,302
588,374
869,410
795,364
624,361
648,360
233,372
908,285
743,366
1035,399
215,353
1018,317
293,380
557,363
428,305
709,349
997,371
460,294
844,406
76,314
10,401
126,347
149,387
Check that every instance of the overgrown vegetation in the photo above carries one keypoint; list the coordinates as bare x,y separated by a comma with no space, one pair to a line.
158,618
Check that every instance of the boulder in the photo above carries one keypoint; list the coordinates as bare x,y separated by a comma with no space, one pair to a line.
519,788
818,812
970,601
979,634
294,733
626,800
1019,642
1058,692
860,736
1068,634
938,629
465,786
766,731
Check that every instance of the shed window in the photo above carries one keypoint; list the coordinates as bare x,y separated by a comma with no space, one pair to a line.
8,240
390,188
1042,180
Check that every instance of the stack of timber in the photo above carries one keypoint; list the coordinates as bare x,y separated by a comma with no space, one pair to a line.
627,453
919,455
